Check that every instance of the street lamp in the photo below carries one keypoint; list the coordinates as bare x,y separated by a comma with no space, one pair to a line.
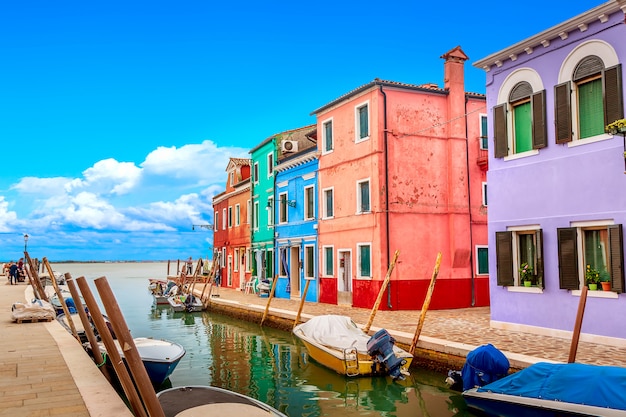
25,242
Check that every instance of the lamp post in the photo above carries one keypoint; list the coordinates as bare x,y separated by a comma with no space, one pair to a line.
25,242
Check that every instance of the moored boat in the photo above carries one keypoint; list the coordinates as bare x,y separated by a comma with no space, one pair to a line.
553,389
186,302
207,400
162,290
339,344
160,357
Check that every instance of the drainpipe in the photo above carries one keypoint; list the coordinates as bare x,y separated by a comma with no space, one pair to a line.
469,203
386,190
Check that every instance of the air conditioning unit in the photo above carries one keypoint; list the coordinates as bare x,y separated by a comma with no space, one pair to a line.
288,146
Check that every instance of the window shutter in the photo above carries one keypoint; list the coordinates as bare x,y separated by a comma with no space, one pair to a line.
504,258
501,141
540,135
539,267
616,258
613,98
563,113
568,259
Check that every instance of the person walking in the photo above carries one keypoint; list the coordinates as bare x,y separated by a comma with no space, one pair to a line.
189,266
13,273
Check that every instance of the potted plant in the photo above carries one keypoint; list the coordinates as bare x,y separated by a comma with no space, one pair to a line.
592,277
618,126
605,281
526,274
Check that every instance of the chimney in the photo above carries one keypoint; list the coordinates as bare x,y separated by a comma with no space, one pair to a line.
453,76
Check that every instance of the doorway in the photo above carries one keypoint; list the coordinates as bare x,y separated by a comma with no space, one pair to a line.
344,277
294,271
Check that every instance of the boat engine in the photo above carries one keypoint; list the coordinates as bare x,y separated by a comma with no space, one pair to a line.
380,347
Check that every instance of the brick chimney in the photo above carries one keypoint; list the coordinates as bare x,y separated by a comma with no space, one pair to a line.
454,83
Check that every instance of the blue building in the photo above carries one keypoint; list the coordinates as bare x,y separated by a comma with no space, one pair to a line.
295,214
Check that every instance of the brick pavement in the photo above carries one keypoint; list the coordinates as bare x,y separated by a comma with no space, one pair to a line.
450,333
45,372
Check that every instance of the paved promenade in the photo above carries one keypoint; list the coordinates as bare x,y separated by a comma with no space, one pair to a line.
45,372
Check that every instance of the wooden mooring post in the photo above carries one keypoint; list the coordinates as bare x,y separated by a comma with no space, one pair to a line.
426,304
381,292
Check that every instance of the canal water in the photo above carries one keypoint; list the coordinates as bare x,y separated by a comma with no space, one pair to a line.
268,364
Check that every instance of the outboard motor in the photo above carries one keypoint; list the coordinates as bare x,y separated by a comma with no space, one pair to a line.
484,365
380,346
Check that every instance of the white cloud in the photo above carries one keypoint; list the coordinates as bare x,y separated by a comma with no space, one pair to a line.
7,218
108,176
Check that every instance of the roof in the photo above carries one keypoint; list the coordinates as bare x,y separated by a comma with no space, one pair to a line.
542,39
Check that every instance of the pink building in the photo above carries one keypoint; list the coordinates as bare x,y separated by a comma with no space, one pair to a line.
403,167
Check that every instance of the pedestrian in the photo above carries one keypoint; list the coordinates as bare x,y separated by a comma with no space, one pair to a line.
13,273
189,266
218,281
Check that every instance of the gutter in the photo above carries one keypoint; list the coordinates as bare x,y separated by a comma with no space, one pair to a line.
386,190
469,204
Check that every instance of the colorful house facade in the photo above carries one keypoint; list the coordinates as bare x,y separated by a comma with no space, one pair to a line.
231,234
401,169
556,178
295,210
263,160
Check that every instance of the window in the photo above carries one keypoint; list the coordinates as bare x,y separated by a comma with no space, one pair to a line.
482,260
230,216
365,260
224,219
282,208
484,140
329,267
270,164
484,187
309,203
236,265
363,196
309,263
328,203
216,222
256,215
520,122
515,247
255,173
282,268
589,94
270,211
595,244
223,258
327,136
231,176
237,214
362,122
248,211
248,259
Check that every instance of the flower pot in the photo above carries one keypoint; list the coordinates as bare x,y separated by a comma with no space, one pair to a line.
527,283
593,287
606,286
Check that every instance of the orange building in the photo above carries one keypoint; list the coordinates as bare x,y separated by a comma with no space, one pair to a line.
231,238
403,167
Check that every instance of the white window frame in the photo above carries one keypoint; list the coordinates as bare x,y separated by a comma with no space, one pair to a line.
478,248
359,203
231,175
224,219
230,217
248,258
518,286
270,164
306,262
249,211
223,259
358,261
283,206
484,193
330,190
270,211
236,263
216,221
237,215
255,216
256,172
324,139
484,136
357,122
309,216
325,250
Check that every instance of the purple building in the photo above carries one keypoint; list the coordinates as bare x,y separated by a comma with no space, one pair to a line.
556,179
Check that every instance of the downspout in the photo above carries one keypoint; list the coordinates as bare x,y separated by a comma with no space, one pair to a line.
386,190
469,203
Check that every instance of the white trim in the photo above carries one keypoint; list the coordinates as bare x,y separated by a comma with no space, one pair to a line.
324,205
332,129
306,202
359,203
357,124
358,261
476,248
270,164
332,251
237,215
484,199
305,263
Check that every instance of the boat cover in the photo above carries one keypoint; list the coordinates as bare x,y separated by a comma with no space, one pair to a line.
484,365
338,332
576,383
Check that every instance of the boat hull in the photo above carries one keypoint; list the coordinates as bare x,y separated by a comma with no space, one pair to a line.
178,305
207,400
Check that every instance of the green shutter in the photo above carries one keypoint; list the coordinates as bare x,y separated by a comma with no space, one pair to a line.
328,130
329,261
363,122
563,112
523,127
590,109
568,258
501,140
504,258
365,261
613,98
616,257
540,135
483,260
365,196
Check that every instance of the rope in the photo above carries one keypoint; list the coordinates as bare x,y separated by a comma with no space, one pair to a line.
104,359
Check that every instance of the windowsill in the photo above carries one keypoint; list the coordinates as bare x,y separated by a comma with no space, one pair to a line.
520,155
327,152
359,140
596,294
592,139
528,290
364,278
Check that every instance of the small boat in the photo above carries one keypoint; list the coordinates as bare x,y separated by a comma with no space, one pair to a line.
46,281
69,301
207,400
78,325
553,389
186,302
160,357
339,344
162,290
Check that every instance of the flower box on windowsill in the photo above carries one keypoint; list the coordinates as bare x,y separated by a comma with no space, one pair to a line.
617,127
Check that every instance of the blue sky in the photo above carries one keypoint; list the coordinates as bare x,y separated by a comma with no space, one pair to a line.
117,119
